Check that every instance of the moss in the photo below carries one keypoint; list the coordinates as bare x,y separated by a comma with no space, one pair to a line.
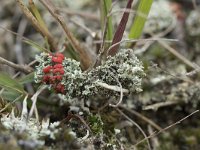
95,124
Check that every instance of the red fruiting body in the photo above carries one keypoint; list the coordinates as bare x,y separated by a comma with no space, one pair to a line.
58,66
58,78
58,70
60,88
53,74
57,59
47,69
60,55
46,78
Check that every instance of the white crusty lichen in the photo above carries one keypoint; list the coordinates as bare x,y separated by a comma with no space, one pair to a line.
73,78
124,68
35,131
193,23
160,17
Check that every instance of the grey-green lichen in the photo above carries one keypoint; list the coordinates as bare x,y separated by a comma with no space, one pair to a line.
123,70
160,17
73,78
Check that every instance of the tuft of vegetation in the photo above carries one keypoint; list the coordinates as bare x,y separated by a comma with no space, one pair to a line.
106,75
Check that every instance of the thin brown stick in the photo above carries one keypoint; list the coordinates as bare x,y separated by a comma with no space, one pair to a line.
10,103
145,40
160,104
91,33
81,14
168,127
24,69
37,26
152,123
23,38
83,121
102,46
178,55
134,123
84,57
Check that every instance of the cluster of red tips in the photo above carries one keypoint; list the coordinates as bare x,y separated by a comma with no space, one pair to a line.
53,73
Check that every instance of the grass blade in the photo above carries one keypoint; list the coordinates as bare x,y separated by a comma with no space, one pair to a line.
35,45
140,19
37,15
10,84
27,79
105,8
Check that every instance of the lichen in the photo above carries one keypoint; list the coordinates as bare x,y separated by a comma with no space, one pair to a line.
73,78
35,131
123,69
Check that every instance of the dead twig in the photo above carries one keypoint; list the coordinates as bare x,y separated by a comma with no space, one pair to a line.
81,14
7,105
134,123
153,39
36,24
157,36
26,40
154,141
91,33
25,69
101,51
161,104
84,56
145,40
178,55
168,127
150,122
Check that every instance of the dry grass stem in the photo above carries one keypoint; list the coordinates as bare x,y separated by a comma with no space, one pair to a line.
178,55
80,14
9,104
134,123
142,117
25,69
45,33
168,127
158,105
83,54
